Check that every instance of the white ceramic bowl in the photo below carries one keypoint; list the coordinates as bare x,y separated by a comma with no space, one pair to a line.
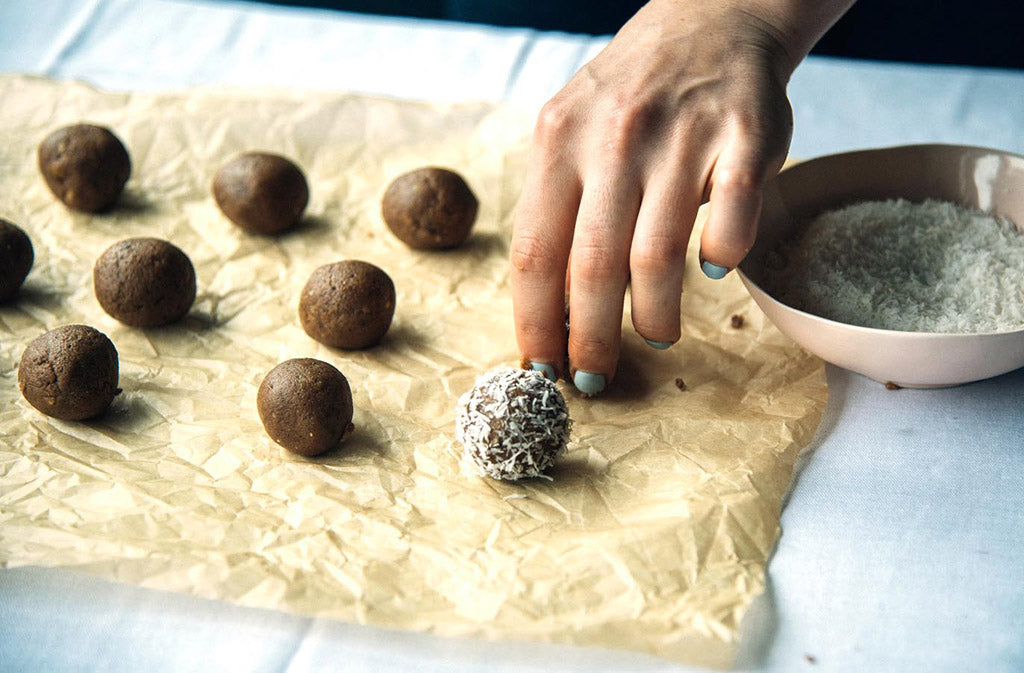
989,180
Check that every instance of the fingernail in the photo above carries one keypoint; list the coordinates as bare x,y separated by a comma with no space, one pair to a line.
659,345
713,271
544,368
588,383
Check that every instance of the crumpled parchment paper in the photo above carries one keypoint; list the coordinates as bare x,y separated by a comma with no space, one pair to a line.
653,534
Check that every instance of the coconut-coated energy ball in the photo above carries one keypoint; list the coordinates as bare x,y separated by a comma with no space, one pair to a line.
69,372
85,166
513,424
306,406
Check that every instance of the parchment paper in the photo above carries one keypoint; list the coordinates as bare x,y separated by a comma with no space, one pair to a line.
653,534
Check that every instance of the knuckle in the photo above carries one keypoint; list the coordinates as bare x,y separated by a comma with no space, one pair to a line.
534,331
657,256
749,123
764,134
531,254
662,328
596,265
554,121
592,348
744,179
624,125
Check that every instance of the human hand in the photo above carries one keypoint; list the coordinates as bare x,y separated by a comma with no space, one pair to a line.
686,104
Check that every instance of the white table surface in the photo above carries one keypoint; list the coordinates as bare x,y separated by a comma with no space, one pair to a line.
901,546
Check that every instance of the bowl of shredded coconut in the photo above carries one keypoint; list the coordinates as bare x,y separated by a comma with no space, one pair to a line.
904,264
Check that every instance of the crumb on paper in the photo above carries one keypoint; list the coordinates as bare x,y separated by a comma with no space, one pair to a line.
889,385
736,321
810,659
681,384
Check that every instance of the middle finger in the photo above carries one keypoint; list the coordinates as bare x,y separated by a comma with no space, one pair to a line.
599,270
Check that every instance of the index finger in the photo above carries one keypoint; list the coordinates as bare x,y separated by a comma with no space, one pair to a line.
541,240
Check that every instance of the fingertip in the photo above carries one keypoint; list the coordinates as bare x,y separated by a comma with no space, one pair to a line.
591,372
731,229
594,353
592,359
545,368
589,383
713,271
541,338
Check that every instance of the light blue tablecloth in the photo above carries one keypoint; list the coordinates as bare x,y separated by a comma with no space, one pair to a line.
901,548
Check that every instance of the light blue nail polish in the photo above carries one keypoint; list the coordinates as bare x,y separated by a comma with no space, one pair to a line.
713,271
659,345
588,383
544,368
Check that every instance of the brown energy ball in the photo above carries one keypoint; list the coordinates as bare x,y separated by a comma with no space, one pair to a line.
262,193
513,424
69,373
85,166
347,304
430,208
305,406
16,257
144,282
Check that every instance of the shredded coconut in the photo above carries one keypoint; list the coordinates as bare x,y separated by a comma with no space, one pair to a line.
928,267
513,424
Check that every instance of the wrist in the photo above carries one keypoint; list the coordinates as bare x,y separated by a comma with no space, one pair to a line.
796,25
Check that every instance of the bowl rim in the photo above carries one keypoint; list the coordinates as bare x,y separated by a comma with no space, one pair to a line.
880,331
889,148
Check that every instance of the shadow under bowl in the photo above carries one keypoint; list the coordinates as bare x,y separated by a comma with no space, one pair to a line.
988,180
